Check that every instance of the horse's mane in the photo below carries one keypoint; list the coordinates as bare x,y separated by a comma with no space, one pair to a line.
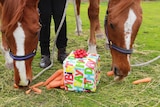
12,11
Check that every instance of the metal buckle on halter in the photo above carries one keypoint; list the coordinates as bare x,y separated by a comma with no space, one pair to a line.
20,58
122,50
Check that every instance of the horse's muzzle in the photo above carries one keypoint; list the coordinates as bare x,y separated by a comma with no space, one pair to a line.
24,83
118,75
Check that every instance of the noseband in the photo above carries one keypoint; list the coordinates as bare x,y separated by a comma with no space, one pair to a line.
25,57
111,44
20,58
119,49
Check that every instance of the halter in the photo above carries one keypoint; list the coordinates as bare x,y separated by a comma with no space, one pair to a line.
20,58
112,45
119,49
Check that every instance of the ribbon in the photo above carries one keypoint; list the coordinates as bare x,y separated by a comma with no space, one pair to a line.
80,53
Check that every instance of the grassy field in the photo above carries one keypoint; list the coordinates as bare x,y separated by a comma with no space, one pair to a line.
108,93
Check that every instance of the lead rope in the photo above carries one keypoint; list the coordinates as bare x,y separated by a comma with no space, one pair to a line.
54,44
146,63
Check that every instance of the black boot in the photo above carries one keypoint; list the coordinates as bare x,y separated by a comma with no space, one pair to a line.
62,54
45,61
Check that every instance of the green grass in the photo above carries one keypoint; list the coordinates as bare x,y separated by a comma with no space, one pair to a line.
109,93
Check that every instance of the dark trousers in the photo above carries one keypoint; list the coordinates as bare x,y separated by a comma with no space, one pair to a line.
52,9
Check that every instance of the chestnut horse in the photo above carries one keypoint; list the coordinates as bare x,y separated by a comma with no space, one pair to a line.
93,14
20,27
123,20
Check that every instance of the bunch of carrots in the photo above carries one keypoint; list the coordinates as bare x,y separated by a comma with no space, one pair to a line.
144,80
55,80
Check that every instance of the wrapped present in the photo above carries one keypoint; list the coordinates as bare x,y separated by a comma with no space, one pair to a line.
81,71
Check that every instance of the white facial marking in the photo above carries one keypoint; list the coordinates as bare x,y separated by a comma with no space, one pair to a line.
128,29
19,37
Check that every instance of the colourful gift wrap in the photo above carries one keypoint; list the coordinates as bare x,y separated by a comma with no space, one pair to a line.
81,74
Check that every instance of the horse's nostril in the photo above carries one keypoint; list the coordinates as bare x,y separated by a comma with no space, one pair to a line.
116,71
29,82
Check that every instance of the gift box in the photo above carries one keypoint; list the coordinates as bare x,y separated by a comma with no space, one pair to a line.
81,73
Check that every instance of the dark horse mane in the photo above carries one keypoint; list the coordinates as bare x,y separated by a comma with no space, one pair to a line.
11,13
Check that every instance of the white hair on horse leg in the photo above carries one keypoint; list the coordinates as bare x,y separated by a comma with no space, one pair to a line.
79,24
8,59
19,37
128,29
92,48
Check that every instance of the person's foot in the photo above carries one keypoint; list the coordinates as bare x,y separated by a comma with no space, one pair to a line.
62,55
45,61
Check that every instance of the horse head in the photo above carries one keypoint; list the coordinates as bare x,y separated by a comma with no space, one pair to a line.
20,27
123,20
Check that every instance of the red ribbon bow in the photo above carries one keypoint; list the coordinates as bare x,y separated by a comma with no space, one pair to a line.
80,53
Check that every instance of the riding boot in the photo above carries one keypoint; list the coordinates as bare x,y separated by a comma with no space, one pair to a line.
45,61
62,54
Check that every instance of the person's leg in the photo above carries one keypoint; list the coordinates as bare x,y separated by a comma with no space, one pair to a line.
45,34
45,20
58,7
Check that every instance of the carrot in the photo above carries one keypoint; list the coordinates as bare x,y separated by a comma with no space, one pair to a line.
37,90
28,91
59,77
53,76
62,82
53,84
38,84
110,73
15,86
62,86
142,80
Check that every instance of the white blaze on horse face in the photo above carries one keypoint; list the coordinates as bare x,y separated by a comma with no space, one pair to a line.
128,29
19,37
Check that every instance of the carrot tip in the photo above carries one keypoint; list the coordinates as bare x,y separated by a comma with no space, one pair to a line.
110,73
28,91
37,90
15,86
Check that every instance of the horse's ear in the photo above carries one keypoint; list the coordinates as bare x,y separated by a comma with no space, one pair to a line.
2,1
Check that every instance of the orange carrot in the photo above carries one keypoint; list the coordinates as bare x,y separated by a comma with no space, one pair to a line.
110,73
59,77
62,82
53,76
53,84
142,80
38,84
28,91
63,86
37,90
15,86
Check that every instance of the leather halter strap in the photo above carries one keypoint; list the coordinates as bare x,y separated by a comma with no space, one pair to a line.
20,58
111,44
119,49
